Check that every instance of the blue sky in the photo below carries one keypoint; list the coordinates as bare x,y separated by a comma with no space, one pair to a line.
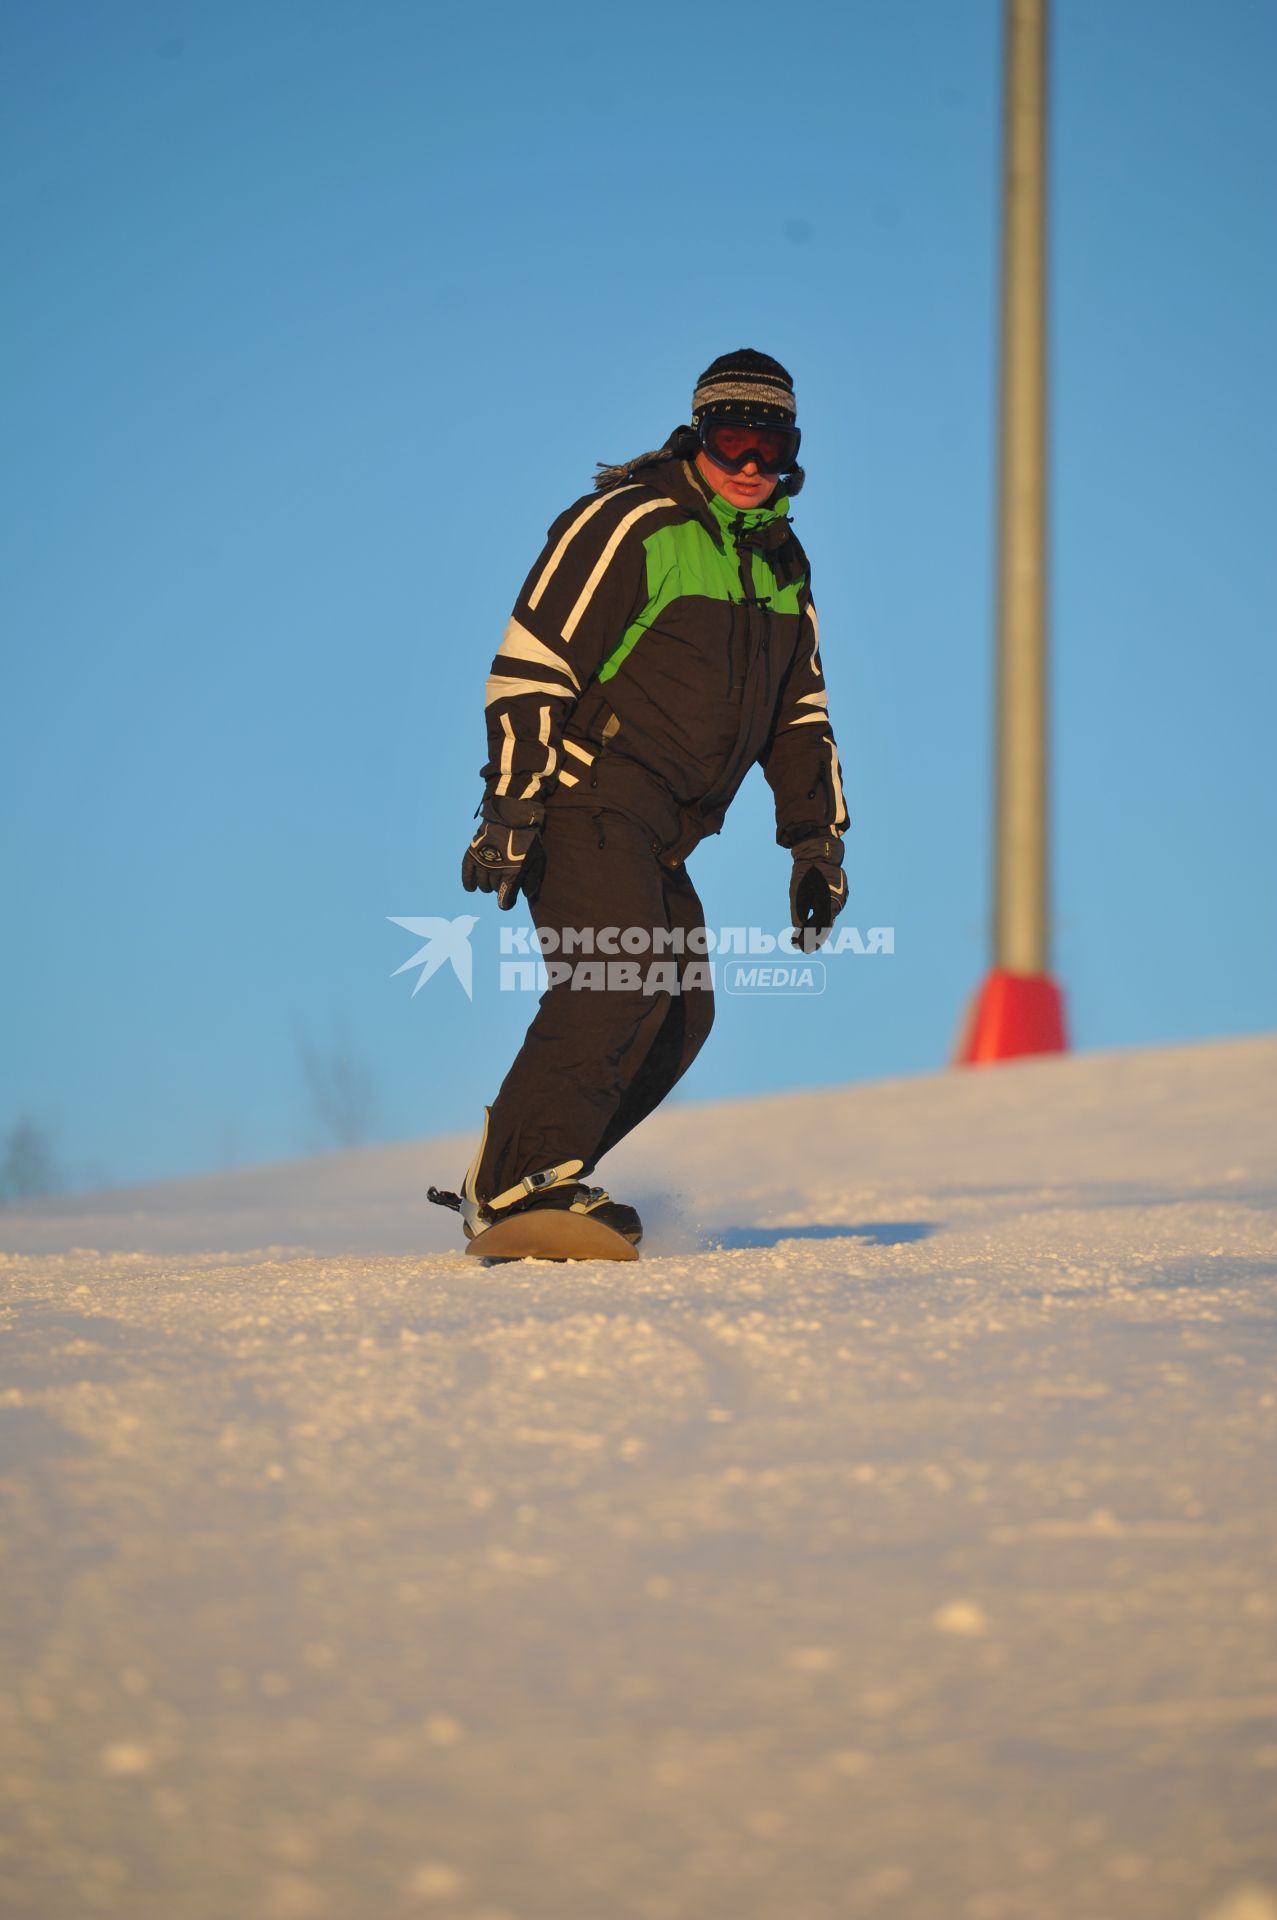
318,314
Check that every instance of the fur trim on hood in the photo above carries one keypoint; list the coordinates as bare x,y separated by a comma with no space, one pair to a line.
683,444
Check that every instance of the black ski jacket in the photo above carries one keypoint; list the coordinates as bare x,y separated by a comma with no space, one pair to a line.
662,644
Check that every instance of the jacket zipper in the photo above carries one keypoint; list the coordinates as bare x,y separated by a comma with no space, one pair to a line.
744,564
745,567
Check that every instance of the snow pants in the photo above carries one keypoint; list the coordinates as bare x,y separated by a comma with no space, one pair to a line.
596,1062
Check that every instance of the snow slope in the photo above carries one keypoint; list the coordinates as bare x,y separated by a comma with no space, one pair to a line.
897,1538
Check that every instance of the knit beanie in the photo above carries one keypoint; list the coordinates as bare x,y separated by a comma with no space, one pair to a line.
747,386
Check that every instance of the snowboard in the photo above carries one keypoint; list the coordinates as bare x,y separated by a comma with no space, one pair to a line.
547,1233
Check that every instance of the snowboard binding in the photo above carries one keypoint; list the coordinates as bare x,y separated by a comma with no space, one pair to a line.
548,1215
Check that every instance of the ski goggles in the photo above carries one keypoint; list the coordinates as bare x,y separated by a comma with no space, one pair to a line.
732,444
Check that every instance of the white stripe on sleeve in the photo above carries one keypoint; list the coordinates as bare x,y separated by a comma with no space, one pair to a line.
507,755
504,686
543,739
839,804
518,644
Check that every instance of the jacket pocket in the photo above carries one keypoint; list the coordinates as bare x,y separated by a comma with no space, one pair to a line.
825,791
586,737
586,719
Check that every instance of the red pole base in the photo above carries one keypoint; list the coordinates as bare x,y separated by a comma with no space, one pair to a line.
1012,1014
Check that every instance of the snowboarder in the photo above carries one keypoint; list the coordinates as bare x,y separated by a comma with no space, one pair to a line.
664,641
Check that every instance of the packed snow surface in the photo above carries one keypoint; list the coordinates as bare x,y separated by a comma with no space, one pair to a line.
896,1538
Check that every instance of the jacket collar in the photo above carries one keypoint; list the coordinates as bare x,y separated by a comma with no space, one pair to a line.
766,530
685,486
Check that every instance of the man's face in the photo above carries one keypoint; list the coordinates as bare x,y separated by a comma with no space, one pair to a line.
748,488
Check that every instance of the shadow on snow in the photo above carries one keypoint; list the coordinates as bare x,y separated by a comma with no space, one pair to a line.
879,1233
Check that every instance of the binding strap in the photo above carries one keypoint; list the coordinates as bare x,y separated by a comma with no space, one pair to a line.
535,1183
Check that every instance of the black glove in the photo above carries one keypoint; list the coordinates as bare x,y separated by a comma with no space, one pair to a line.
506,853
817,888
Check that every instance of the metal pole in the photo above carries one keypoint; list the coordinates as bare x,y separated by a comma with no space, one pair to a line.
1021,912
